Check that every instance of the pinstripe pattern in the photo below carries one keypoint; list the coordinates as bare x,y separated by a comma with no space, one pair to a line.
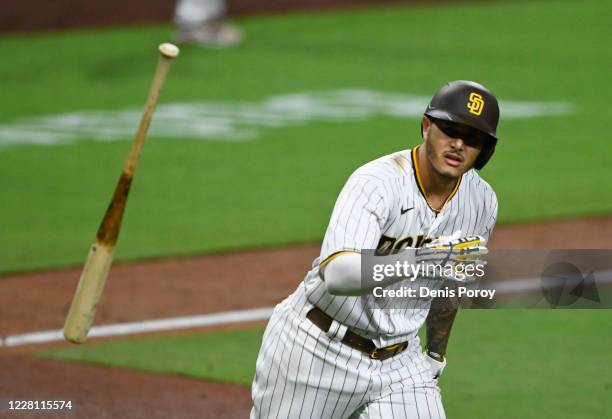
370,206
303,372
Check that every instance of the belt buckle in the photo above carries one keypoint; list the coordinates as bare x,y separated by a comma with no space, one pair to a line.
375,352
397,348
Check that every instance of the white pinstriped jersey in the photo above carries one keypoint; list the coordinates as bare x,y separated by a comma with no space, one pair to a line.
381,206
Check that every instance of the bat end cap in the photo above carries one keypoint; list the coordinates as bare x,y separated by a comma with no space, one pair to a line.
169,50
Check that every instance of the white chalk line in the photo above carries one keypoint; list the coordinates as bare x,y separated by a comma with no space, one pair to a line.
159,325
507,287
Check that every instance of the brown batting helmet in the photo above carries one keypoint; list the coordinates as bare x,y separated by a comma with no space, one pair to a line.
472,104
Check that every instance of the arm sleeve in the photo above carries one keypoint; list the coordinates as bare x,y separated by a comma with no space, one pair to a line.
358,218
343,274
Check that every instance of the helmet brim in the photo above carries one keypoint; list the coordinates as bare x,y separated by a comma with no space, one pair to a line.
447,116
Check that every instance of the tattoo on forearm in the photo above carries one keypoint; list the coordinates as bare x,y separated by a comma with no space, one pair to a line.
439,323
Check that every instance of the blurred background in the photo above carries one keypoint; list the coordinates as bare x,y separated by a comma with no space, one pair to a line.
269,108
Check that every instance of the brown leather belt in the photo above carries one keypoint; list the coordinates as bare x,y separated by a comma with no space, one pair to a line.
352,339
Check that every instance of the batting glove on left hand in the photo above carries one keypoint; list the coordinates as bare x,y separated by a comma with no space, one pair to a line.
436,367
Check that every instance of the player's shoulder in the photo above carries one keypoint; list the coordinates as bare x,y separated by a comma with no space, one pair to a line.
473,178
388,167
478,187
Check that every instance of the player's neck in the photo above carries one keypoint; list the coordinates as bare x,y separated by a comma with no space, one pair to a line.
437,187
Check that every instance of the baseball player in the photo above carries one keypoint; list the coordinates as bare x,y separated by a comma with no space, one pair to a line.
203,23
329,351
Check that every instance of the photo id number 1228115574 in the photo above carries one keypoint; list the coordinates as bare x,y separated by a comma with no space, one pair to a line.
39,405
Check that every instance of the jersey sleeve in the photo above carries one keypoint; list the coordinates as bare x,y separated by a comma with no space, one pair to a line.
491,219
358,218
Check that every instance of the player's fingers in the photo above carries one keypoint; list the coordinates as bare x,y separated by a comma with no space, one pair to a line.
472,251
468,242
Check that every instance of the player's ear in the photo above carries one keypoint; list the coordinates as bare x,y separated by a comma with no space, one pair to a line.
425,126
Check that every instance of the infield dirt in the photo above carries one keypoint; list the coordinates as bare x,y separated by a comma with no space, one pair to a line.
185,286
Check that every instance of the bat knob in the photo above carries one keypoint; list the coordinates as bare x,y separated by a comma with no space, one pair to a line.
169,50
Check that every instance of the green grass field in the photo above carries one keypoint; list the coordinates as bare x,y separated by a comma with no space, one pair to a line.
194,196
502,363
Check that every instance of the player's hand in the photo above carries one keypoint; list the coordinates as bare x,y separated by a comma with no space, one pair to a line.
453,247
435,366
455,252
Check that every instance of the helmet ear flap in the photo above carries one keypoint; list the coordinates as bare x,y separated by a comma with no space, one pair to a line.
484,156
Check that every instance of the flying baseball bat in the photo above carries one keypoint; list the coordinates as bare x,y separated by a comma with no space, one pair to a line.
93,278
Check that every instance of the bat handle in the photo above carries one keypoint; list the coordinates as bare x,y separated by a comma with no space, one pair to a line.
167,54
